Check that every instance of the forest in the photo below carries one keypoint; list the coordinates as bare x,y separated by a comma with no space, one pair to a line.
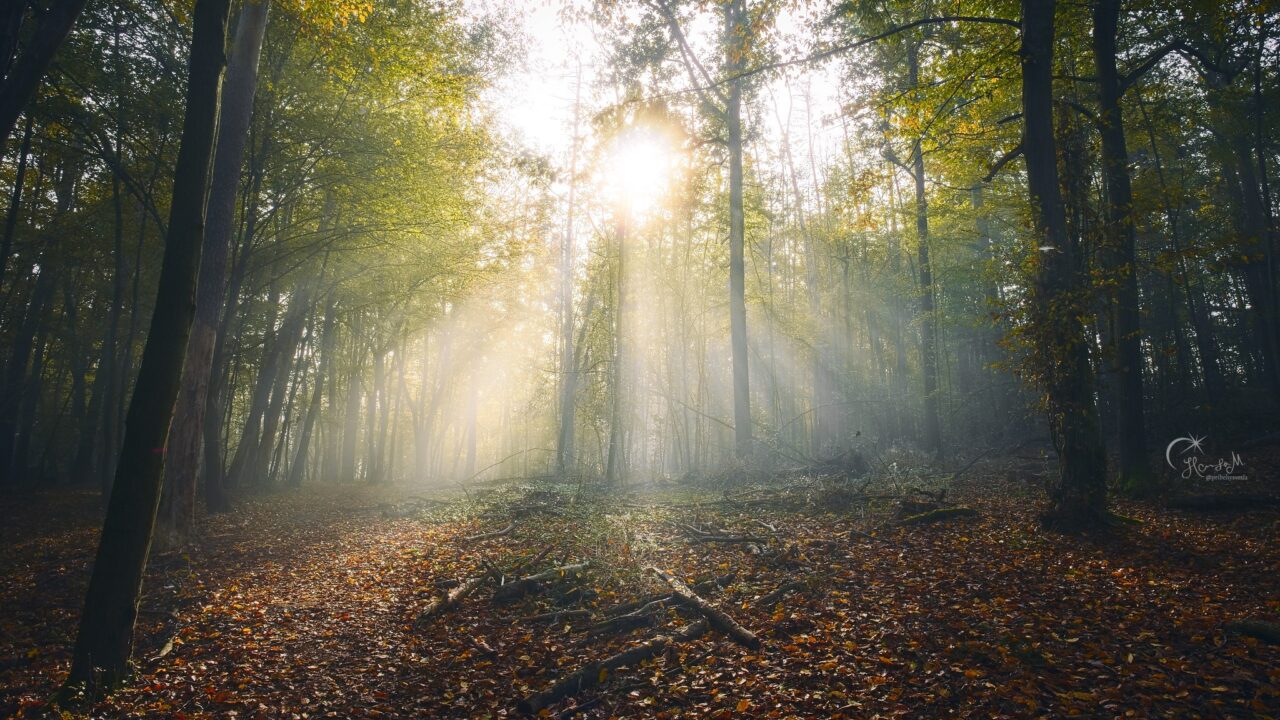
639,359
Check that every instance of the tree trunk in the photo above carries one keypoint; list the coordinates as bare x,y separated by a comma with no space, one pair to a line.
1119,256
21,80
178,507
15,200
928,314
317,394
104,642
1078,495
568,369
735,29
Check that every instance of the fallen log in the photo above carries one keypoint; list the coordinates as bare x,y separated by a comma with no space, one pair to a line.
933,516
455,596
538,581
496,533
716,617
594,673
1266,631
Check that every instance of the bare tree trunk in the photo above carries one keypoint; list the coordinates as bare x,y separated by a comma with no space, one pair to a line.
568,369
178,508
735,30
928,314
21,80
104,642
317,395
15,199
1119,255
1078,495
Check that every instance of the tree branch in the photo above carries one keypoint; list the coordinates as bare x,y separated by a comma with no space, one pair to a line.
1005,159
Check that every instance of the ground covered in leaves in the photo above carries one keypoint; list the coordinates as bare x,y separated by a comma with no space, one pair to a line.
311,605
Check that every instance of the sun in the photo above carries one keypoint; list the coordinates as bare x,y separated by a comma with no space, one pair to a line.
640,168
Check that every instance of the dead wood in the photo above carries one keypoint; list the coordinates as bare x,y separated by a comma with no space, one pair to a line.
718,619
539,581
710,585
639,617
727,539
556,616
496,533
534,560
938,515
455,596
1264,630
855,531
594,673
781,592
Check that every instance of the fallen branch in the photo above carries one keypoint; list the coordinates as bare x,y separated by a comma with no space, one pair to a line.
869,536
532,561
556,616
1264,630
639,617
533,583
728,539
709,585
496,533
594,673
781,592
718,619
455,596
933,516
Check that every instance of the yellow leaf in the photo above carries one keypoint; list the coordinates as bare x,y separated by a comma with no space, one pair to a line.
743,705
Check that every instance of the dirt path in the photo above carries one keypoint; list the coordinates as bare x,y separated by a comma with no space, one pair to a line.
303,606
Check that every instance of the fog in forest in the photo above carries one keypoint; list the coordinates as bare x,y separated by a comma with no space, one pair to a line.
596,309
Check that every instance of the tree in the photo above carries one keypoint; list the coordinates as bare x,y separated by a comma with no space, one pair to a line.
178,506
1078,495
22,71
104,642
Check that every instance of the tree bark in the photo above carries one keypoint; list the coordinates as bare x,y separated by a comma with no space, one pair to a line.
1119,256
1078,495
178,507
15,200
298,467
928,314
104,642
735,29
22,79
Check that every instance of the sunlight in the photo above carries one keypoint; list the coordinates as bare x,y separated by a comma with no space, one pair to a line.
639,170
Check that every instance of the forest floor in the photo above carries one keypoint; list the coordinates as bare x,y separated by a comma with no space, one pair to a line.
310,604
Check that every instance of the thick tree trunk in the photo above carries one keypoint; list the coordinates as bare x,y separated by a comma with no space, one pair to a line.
735,29
22,79
1119,256
1079,493
177,517
104,642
